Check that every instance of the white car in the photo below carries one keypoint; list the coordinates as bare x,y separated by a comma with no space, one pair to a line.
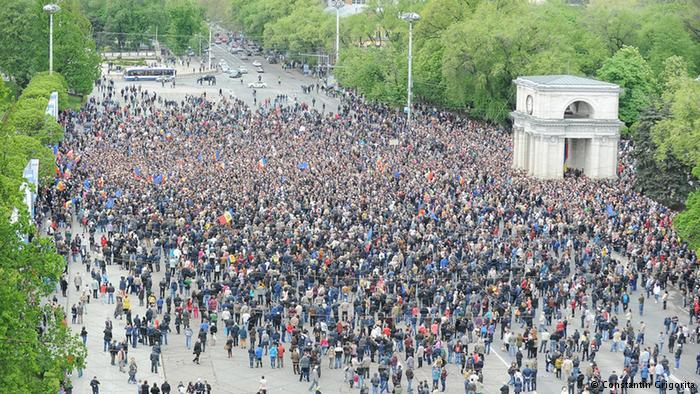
257,85
243,70
257,63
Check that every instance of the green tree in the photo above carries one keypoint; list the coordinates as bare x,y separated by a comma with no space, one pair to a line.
687,223
668,181
30,272
75,56
21,39
628,69
680,132
186,21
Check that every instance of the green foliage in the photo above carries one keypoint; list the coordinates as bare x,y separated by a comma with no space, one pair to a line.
24,43
128,24
186,21
75,55
6,99
687,223
680,132
303,30
628,69
43,84
29,118
22,39
668,181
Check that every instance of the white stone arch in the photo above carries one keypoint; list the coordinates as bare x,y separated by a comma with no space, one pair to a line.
582,109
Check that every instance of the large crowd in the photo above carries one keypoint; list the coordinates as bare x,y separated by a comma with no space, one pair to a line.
305,236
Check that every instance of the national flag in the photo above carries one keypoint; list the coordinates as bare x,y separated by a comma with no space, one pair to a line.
61,186
262,163
370,233
158,179
110,203
55,150
303,166
199,157
86,184
137,172
228,217
67,173
217,155
118,193
70,154
222,220
429,176
68,204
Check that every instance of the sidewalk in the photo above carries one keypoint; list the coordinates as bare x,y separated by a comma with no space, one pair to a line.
98,362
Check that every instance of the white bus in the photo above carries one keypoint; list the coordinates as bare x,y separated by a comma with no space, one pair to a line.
147,73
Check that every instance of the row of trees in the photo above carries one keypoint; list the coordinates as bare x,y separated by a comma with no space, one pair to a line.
36,346
467,53
127,24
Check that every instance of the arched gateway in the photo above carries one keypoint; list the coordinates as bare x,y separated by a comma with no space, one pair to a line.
563,121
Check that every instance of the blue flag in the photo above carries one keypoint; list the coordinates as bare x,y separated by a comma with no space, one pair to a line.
303,166
611,211
158,179
86,184
110,203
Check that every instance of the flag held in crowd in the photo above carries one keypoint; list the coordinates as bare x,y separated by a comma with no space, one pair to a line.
225,218
262,163
303,166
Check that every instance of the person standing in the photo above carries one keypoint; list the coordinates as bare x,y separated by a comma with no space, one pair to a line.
133,368
197,351
95,384
155,359
314,377
262,389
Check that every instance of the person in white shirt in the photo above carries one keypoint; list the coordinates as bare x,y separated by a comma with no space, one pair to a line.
262,389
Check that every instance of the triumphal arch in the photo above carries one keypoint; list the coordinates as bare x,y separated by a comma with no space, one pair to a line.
565,122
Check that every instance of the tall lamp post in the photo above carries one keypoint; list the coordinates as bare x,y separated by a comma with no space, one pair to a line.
410,17
51,9
338,4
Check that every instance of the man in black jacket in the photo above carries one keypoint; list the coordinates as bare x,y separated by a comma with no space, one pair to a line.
165,387
197,351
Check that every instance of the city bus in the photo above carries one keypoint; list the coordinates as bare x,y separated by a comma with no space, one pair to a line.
147,73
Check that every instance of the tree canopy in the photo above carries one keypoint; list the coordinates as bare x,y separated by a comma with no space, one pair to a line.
24,43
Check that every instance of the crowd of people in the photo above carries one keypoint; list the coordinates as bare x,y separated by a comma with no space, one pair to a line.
303,235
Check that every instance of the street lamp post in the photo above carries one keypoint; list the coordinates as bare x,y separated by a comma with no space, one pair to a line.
410,17
338,4
51,9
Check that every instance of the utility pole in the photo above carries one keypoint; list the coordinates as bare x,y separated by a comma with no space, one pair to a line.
210,47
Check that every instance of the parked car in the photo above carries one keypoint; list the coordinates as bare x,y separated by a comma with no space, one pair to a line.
257,63
259,70
243,70
234,74
257,85
244,56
